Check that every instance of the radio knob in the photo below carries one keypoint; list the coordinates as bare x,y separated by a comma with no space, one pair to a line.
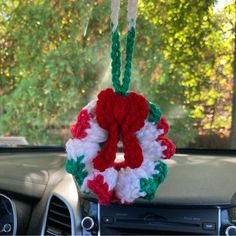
88,223
230,230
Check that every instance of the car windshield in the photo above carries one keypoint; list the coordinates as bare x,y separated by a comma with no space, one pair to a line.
55,58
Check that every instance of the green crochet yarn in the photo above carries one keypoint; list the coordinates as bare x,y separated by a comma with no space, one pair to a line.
154,114
123,88
77,169
116,60
101,144
150,185
128,64
163,168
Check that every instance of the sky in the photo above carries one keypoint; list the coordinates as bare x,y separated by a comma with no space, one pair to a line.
220,4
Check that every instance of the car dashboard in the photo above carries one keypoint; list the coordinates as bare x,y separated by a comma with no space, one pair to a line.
37,197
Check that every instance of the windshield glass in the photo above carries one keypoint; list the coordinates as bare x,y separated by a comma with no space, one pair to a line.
55,58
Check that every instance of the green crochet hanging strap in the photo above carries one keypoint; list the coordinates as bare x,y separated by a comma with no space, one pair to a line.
122,88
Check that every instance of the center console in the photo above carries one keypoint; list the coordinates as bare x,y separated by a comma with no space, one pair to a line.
198,198
150,219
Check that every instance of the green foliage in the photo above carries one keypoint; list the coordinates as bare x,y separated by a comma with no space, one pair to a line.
197,44
55,54
56,65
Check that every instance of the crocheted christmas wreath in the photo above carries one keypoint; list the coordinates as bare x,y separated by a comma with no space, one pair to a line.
119,116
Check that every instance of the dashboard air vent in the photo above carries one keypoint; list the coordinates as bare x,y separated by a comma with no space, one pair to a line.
58,218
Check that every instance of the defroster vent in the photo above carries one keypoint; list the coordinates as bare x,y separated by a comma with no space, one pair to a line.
58,218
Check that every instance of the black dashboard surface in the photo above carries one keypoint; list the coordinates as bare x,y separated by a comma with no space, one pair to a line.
192,179
30,177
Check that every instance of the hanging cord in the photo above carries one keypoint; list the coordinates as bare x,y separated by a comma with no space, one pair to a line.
116,54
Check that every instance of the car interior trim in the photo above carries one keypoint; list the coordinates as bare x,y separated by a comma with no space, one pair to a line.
69,208
219,220
99,220
13,210
61,148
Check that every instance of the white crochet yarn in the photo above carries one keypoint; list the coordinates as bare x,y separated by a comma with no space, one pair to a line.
90,107
132,8
132,13
115,8
87,147
95,133
78,147
152,150
128,184
110,177
149,132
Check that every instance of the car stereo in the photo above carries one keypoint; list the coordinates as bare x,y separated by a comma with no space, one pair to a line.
140,219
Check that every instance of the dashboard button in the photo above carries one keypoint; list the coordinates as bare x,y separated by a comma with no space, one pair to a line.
107,219
209,226
230,230
87,223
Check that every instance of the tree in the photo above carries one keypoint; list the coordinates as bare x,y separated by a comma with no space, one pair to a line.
50,80
197,45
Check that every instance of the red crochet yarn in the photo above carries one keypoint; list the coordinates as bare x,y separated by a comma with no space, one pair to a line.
119,165
170,150
121,116
78,129
101,189
162,124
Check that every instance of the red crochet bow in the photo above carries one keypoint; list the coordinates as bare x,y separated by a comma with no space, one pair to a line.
121,116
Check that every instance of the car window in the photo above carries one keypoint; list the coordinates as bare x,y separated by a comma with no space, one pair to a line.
55,58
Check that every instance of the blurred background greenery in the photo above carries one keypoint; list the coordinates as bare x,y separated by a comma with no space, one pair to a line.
55,57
